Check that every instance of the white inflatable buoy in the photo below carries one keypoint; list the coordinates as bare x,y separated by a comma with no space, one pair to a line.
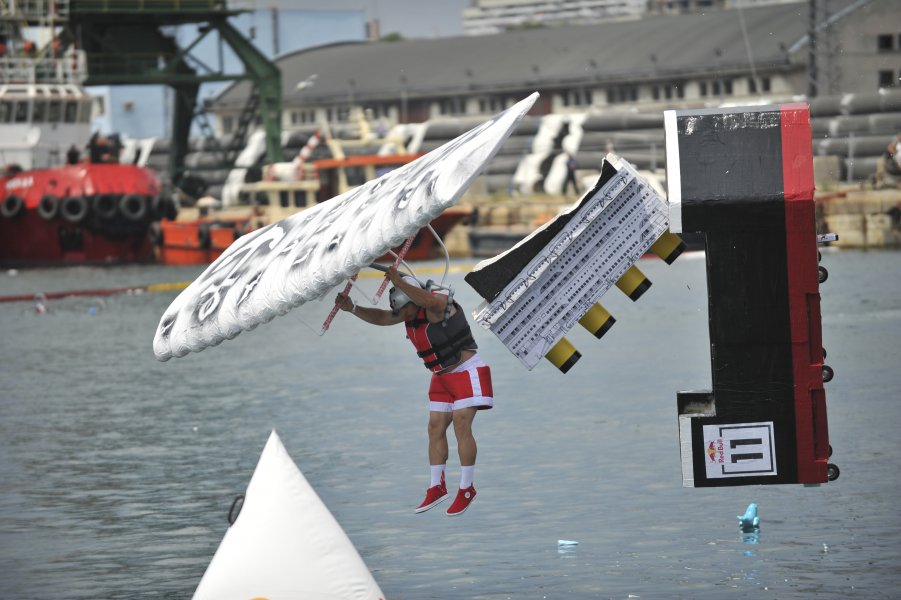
285,544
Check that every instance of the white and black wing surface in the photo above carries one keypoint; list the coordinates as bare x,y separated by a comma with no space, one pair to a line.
273,269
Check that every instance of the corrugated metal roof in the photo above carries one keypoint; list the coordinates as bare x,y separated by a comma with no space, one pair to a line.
652,47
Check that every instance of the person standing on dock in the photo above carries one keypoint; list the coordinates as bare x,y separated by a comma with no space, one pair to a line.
461,381
571,166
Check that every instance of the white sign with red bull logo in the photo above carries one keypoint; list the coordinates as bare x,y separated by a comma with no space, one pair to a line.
739,450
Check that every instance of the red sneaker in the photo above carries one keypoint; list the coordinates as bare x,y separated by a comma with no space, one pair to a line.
461,503
434,495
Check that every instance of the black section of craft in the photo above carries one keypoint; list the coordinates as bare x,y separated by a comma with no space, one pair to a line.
677,251
728,158
641,289
750,330
604,328
732,190
491,280
566,366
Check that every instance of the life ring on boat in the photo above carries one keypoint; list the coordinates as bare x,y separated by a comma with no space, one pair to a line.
203,236
12,206
133,207
105,205
48,207
74,209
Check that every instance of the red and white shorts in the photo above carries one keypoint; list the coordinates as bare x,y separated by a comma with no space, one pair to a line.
469,384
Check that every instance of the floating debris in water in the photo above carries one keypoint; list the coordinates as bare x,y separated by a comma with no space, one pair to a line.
749,521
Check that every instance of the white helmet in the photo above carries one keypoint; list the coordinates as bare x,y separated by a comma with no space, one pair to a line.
397,299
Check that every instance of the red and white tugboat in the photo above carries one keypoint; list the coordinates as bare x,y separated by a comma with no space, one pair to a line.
58,204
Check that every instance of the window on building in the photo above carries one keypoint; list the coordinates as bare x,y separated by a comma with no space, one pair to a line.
451,106
885,42
300,199
887,79
655,92
717,87
624,93
283,198
765,84
578,97
752,85
498,103
343,113
680,89
727,87
702,88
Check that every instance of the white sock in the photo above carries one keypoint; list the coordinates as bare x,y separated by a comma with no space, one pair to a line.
466,475
437,472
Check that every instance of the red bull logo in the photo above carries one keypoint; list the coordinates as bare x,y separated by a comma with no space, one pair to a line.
715,451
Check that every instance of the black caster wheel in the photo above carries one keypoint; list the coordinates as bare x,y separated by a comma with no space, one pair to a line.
828,373
830,451
824,353
822,274
819,256
832,472
238,503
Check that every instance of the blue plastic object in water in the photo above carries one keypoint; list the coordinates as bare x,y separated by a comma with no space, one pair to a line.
749,520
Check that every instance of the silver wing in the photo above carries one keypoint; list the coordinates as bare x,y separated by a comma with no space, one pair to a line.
270,271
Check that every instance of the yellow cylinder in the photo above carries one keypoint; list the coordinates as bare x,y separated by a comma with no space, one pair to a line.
633,283
563,355
597,320
668,247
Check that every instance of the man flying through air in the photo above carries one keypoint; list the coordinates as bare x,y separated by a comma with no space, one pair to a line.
461,381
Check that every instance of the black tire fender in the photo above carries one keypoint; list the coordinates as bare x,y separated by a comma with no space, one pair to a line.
105,205
74,209
133,207
12,206
48,207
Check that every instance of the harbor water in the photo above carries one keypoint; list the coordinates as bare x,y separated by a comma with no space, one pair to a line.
117,471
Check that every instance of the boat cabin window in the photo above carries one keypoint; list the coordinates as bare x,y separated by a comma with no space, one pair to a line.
6,112
71,112
300,199
244,198
261,199
85,116
39,112
283,199
55,111
20,112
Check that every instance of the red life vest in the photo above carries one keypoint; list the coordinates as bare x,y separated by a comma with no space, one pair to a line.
440,345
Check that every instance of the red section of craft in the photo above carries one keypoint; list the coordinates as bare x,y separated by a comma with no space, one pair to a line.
811,429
